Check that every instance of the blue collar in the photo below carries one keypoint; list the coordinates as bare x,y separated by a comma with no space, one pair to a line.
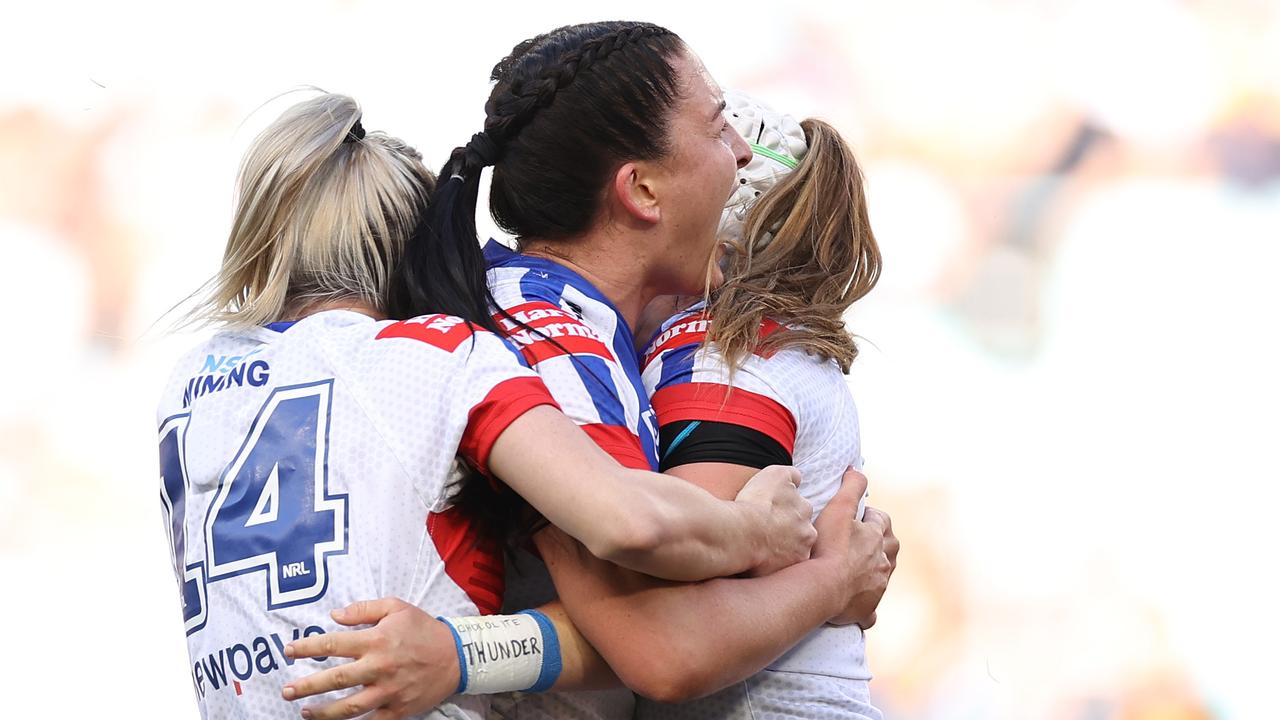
498,255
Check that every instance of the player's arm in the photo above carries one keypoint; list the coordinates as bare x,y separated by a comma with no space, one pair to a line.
410,661
744,624
651,523
641,520
668,641
673,641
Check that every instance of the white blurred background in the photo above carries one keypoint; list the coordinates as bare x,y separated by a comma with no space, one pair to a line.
1067,383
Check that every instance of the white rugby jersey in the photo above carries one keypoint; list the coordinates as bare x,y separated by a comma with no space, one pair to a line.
793,397
594,376
305,466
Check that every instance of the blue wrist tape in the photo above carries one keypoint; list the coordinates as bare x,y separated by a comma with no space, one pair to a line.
551,663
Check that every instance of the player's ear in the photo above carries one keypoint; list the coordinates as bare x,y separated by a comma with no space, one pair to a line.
634,188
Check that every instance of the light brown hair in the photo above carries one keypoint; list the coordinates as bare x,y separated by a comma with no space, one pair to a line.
822,258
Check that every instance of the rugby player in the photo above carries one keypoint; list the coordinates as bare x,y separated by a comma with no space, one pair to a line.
308,450
757,378
613,161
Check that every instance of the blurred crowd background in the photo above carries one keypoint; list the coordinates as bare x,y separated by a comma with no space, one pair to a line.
1067,384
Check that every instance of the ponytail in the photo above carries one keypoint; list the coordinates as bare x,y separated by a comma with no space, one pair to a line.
443,269
820,258
323,212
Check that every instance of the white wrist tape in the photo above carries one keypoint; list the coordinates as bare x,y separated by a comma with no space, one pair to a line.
501,653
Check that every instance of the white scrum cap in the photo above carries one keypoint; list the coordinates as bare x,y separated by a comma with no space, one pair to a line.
777,146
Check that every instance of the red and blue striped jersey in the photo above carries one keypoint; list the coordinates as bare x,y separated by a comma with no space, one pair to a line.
581,347
585,354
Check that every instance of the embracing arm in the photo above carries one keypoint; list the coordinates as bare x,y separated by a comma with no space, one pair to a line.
668,641
650,523
409,662
672,641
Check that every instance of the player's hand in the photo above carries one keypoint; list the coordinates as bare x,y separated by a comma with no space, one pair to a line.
789,531
874,585
862,553
407,663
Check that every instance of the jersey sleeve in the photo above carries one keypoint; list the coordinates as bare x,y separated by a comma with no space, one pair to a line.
582,373
498,389
690,385
685,442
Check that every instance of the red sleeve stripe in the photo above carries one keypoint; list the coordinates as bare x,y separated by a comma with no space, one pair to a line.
621,444
721,403
507,401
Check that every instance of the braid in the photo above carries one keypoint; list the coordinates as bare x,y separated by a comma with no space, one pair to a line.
507,112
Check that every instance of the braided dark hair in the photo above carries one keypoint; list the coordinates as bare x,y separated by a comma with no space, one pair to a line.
528,89
567,109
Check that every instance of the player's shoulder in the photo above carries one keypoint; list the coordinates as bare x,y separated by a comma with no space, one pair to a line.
441,335
794,366
808,384
228,358
436,331
683,331
686,331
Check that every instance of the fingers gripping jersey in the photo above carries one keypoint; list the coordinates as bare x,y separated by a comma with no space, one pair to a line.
300,469
798,400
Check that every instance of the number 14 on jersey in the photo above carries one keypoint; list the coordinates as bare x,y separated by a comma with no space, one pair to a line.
272,510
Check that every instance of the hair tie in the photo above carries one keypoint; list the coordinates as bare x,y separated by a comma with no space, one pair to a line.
484,149
355,134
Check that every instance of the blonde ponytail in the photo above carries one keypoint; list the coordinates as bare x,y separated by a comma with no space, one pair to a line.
323,212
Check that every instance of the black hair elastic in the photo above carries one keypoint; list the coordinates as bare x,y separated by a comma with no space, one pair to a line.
355,134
